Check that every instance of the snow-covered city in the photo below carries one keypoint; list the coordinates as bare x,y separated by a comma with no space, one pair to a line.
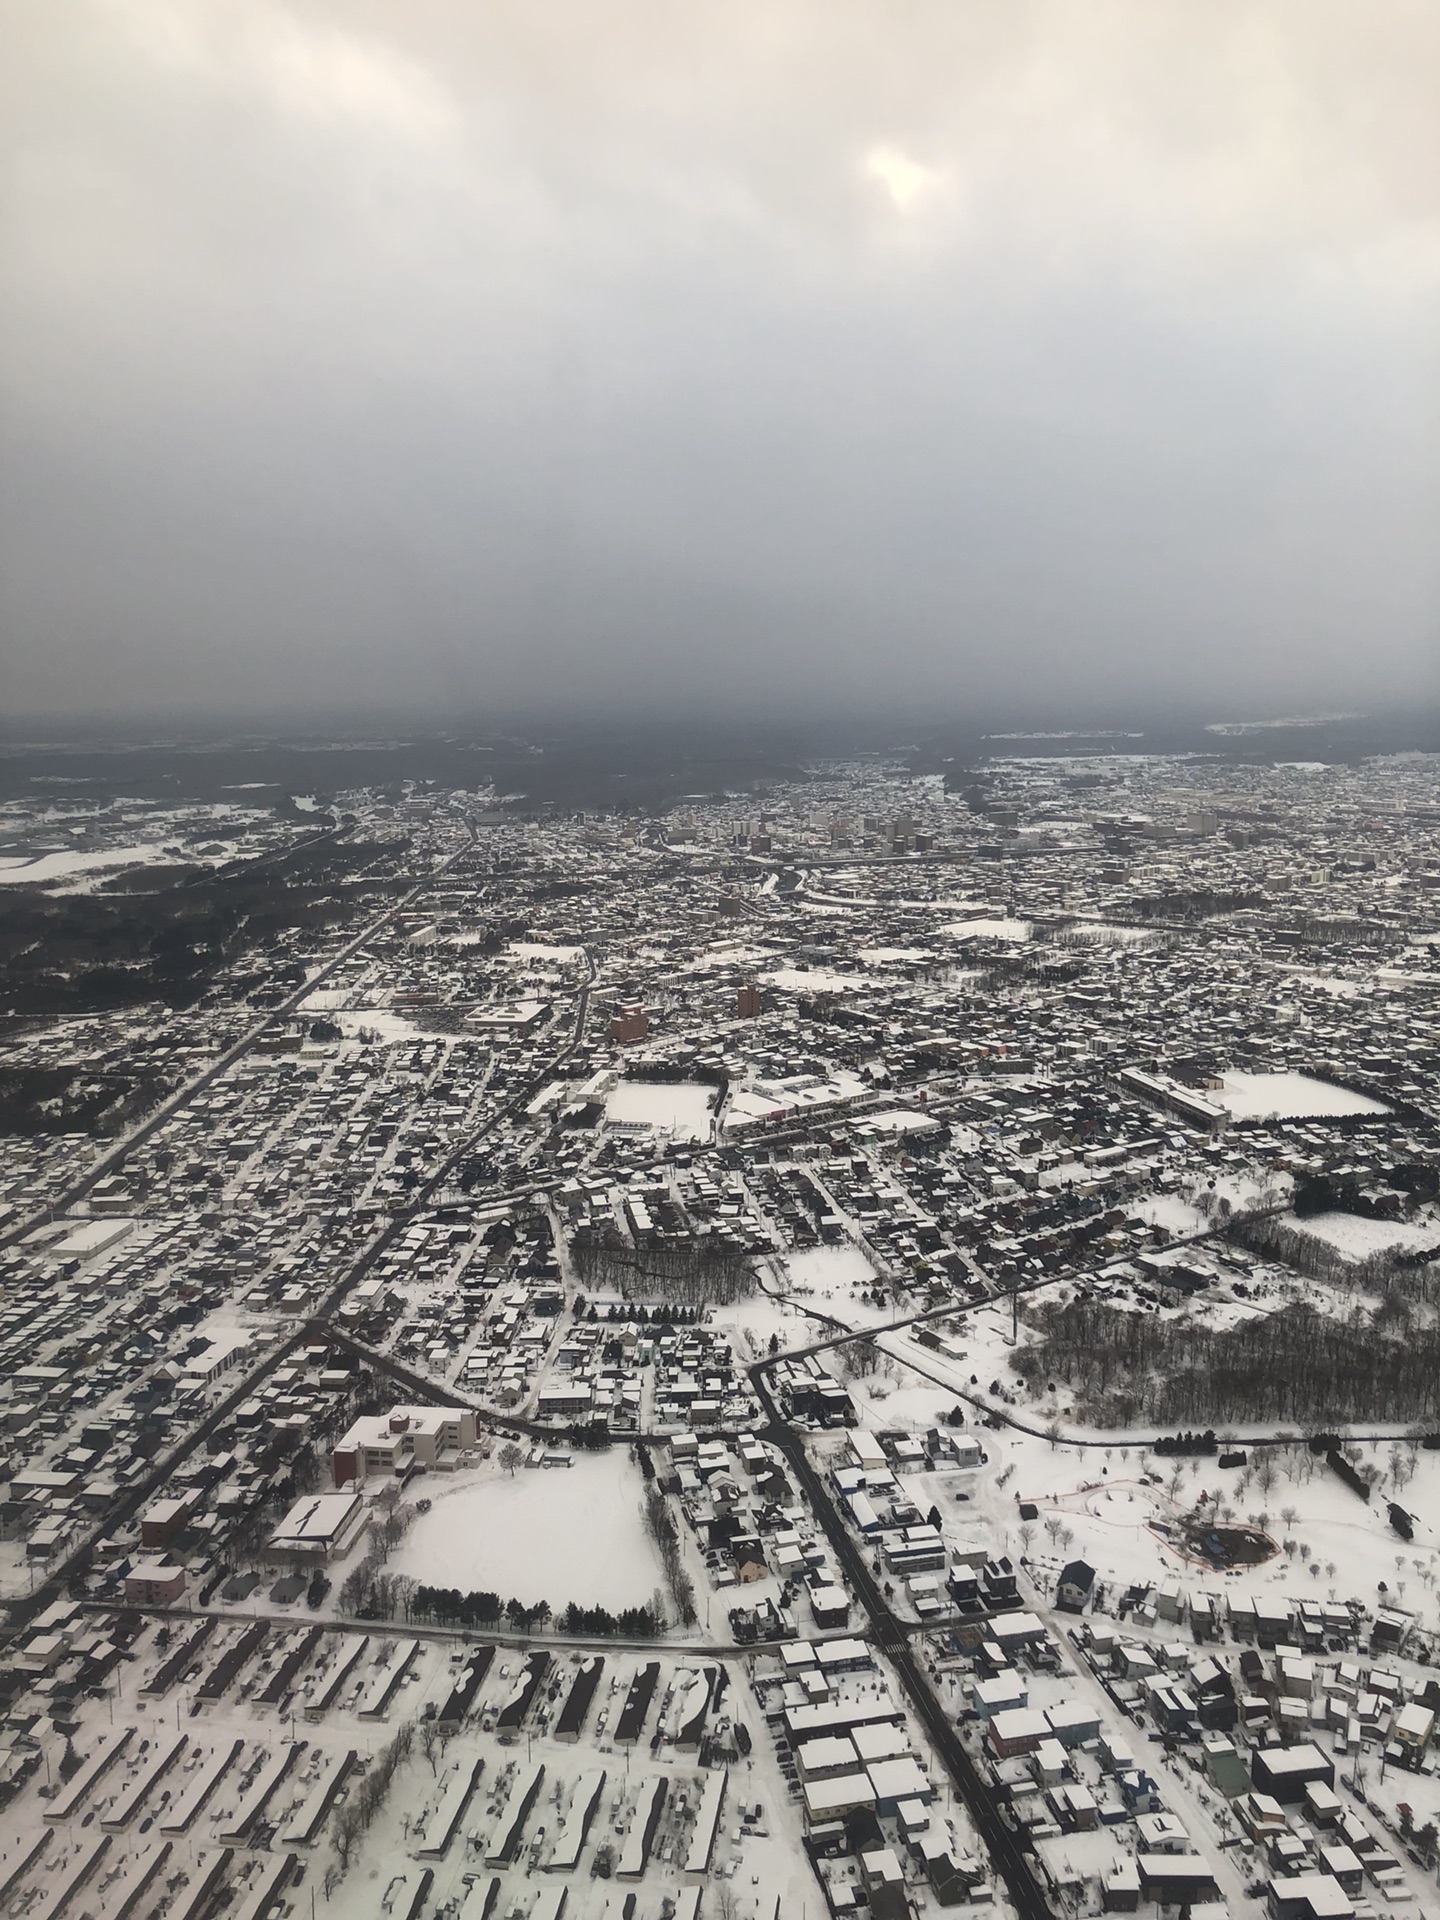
863,1344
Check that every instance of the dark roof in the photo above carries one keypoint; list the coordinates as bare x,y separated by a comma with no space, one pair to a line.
1079,1573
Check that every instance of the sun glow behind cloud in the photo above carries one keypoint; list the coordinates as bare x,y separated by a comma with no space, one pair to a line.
904,179
990,342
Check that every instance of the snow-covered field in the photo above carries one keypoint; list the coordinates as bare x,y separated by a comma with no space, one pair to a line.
812,980
60,866
827,1268
1003,929
391,1029
1102,934
536,950
340,1005
683,1110
1342,1547
754,1319
1357,1239
1289,1096
831,1278
556,1534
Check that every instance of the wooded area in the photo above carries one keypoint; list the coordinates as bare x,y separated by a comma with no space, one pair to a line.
1294,1365
701,1270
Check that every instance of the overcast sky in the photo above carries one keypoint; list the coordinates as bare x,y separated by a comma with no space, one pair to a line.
469,355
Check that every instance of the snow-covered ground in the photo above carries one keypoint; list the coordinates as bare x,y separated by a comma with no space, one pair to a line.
1357,1239
1100,933
757,1317
831,1278
390,1029
536,950
556,1534
61,866
340,1005
1289,1096
813,980
1000,929
683,1110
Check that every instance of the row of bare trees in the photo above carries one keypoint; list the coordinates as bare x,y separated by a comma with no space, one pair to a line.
356,1817
661,1526
696,1270
368,1589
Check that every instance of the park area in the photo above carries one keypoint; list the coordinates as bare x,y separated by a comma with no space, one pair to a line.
538,1533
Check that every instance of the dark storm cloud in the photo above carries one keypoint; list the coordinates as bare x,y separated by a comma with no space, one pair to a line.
540,354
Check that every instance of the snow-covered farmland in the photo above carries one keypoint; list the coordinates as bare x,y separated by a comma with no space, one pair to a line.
45,867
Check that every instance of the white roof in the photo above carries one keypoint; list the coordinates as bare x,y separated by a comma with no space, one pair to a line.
317,1516
883,1741
900,1779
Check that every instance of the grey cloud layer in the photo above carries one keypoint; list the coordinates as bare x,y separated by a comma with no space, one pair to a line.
540,353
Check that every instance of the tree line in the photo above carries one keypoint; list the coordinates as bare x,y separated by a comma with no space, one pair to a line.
357,1815
448,1607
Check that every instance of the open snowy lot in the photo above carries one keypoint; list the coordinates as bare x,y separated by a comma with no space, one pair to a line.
537,950
1000,929
812,980
1357,1238
832,1278
682,1110
755,1317
556,1534
1289,1096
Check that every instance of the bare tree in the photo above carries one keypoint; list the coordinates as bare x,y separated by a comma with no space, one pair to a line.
394,1526
432,1743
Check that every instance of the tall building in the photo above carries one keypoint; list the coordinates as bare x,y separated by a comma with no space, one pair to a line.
629,1023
